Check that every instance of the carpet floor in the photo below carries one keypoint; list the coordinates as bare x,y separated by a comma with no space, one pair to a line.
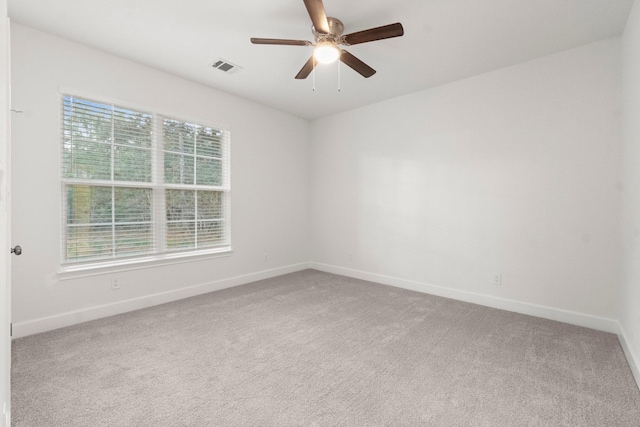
317,349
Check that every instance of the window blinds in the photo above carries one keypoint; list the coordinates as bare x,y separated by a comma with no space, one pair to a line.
135,183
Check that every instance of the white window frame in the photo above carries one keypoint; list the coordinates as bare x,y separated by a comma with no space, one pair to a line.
163,256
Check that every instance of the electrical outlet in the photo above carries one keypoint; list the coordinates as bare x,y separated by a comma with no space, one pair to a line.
266,258
497,279
115,284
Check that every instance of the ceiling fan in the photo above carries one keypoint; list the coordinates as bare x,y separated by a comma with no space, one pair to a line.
328,37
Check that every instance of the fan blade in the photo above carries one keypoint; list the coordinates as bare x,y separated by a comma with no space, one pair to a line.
306,69
317,15
372,34
281,42
356,64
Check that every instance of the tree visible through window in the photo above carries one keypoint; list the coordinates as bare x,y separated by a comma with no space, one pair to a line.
135,183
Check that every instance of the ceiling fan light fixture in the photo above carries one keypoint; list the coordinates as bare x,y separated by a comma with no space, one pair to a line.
326,52
327,35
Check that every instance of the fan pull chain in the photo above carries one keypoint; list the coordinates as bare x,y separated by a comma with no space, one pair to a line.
313,71
338,75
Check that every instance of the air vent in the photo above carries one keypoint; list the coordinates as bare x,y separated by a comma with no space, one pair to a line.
226,66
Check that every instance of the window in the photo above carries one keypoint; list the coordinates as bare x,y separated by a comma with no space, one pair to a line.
135,184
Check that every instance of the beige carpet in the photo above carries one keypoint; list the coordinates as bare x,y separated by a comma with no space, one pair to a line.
316,349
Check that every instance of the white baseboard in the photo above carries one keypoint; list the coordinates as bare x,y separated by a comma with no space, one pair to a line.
44,324
570,317
632,357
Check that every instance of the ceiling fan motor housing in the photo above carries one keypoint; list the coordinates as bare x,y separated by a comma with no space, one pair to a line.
336,27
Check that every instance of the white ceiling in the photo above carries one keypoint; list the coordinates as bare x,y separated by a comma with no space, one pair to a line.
444,41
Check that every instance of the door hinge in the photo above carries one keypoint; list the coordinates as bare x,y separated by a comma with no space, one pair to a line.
11,329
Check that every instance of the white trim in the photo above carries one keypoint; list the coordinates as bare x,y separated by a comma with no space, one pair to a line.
565,316
74,271
44,324
632,357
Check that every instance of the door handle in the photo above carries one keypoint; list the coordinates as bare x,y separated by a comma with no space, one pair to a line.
17,250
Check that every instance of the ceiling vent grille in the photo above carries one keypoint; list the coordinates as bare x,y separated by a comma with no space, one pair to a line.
226,66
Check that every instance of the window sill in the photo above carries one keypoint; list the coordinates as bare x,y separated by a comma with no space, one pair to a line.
116,266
